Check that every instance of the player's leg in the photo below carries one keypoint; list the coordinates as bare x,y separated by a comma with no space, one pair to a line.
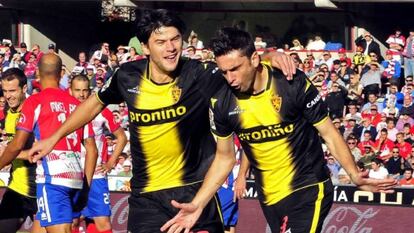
99,206
36,228
55,207
12,212
306,209
229,209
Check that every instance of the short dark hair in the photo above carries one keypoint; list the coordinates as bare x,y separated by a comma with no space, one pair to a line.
15,73
228,39
408,169
151,20
80,77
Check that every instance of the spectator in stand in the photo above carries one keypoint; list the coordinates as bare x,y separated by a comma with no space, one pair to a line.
17,62
407,179
191,53
373,115
392,131
368,44
343,57
51,48
408,106
335,100
99,84
327,59
392,68
355,151
372,100
311,58
365,142
100,73
4,64
23,52
377,170
394,96
102,55
383,145
334,78
193,40
337,123
296,45
395,164
336,66
353,112
37,52
403,146
127,169
3,108
316,44
390,110
360,59
365,126
259,43
404,119
334,167
349,126
133,55
122,54
354,88
408,81
367,156
383,123
82,60
90,74
119,166
408,54
396,44
407,133
371,80
307,68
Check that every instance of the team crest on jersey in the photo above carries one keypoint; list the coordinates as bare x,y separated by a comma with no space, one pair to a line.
276,102
176,93
22,118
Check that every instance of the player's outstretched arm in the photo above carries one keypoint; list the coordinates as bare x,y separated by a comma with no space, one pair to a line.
14,148
281,61
341,152
240,182
216,175
122,140
83,114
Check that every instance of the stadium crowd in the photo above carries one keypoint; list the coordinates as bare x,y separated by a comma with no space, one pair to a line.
370,97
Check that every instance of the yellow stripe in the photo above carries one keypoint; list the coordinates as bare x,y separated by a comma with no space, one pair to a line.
222,137
317,212
97,97
321,121
308,84
219,209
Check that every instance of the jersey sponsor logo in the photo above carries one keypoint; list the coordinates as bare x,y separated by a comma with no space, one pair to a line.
314,101
276,102
158,116
134,90
176,93
211,116
266,133
236,111
215,70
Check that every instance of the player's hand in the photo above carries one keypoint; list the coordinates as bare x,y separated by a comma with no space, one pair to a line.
285,63
239,188
185,218
40,149
108,166
374,185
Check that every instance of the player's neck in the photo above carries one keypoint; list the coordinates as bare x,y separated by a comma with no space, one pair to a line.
260,80
49,82
159,76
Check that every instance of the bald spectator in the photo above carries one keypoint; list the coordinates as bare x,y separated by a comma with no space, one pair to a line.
408,106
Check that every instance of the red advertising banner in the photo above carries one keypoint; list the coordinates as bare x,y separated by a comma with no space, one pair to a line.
344,217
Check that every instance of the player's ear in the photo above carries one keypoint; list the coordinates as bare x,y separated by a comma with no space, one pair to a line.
24,88
145,49
255,59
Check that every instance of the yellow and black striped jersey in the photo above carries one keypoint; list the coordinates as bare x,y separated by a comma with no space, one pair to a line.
276,130
23,173
171,142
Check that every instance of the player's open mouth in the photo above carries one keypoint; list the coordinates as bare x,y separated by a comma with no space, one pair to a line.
171,58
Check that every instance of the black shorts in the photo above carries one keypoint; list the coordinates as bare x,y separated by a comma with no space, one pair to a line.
149,211
14,205
302,211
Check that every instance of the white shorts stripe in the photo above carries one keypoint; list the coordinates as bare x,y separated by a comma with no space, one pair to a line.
46,204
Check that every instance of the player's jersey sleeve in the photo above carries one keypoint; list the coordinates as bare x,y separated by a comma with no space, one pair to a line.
109,93
209,78
88,131
29,113
314,108
109,120
218,121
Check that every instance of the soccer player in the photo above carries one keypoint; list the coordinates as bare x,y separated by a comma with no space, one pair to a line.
19,200
277,122
98,207
171,143
61,188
